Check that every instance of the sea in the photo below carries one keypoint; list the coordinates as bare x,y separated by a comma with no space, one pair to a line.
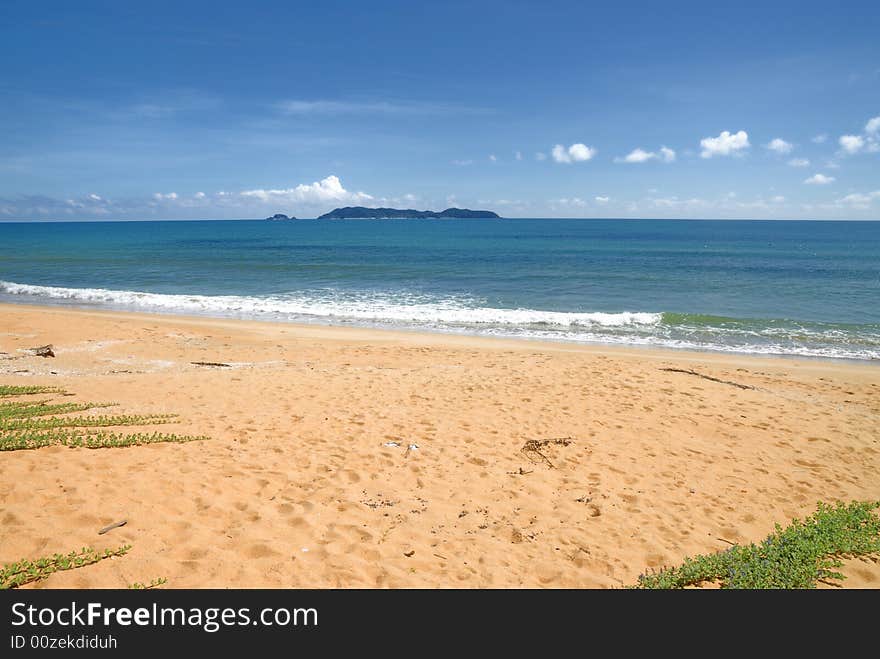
800,288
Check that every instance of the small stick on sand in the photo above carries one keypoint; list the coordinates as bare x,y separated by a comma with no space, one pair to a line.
110,527
217,364
708,377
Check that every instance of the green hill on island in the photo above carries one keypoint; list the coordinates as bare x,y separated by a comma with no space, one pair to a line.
362,213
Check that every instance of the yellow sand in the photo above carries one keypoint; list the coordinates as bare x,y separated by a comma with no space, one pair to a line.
298,486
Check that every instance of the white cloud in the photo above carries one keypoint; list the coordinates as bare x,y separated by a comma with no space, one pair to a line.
219,205
518,155
575,153
819,139
168,104
858,199
851,143
492,157
91,202
581,152
759,204
329,108
780,146
602,200
727,205
501,202
681,204
327,190
799,162
639,155
725,144
868,142
819,179
573,202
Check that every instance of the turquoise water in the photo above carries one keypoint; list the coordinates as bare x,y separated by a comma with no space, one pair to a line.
791,288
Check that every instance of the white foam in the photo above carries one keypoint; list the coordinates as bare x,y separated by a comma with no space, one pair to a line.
365,307
659,341
466,316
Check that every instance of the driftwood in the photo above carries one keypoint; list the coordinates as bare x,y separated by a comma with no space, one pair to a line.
42,351
708,377
533,448
217,364
114,525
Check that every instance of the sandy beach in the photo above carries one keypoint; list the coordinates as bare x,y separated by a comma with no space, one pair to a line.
345,457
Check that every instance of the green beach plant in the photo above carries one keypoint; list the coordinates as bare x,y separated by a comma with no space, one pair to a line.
85,422
32,424
19,410
798,556
19,441
27,390
155,583
25,571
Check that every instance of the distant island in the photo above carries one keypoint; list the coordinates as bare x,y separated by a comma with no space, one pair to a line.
281,216
361,213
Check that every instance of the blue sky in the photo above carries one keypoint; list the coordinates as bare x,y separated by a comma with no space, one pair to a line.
134,110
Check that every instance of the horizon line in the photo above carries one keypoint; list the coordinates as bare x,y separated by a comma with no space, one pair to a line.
430,219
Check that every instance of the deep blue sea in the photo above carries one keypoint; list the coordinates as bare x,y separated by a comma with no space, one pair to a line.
788,288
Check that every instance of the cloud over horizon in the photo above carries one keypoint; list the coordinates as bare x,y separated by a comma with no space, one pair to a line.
859,200
843,156
639,155
725,144
319,192
819,179
575,153
311,197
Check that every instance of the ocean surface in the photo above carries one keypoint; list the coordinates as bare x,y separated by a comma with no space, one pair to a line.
786,288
